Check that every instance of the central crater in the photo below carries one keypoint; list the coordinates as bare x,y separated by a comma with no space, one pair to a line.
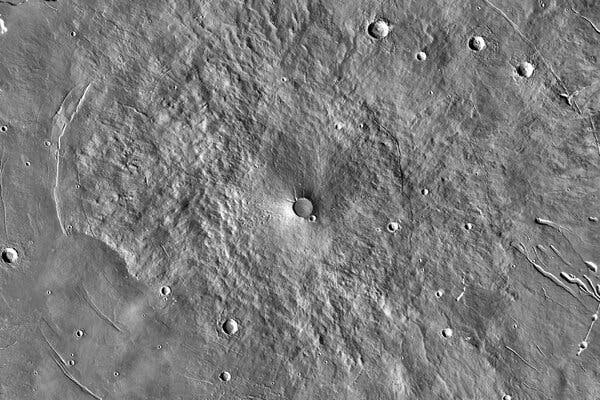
303,207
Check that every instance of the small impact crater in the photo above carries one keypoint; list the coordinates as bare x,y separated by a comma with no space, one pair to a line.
303,207
165,291
379,29
525,69
10,255
393,226
477,43
225,376
230,327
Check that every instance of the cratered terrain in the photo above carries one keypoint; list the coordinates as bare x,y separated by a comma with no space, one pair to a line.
299,199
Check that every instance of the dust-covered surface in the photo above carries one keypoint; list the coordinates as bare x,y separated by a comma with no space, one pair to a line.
152,152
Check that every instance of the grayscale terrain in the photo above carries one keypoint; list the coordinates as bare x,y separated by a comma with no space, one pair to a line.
299,199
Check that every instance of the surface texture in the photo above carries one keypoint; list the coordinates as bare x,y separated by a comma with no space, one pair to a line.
153,155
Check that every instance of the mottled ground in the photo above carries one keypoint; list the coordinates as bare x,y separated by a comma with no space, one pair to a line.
151,153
